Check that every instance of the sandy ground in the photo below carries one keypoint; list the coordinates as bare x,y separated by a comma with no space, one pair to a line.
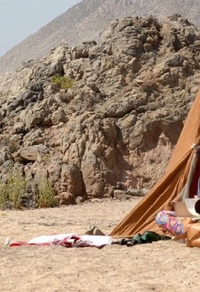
160,266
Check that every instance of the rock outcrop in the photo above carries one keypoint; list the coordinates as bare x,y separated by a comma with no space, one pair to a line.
115,128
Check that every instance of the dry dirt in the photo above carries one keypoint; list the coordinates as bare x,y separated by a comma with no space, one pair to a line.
160,266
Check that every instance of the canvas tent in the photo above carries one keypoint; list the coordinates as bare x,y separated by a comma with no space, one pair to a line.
142,217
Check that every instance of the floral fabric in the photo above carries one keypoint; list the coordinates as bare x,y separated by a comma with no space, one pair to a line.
169,222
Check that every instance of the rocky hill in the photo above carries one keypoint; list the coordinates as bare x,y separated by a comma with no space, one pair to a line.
110,133
86,20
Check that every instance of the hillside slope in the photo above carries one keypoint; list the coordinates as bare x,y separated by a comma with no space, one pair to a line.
110,133
86,20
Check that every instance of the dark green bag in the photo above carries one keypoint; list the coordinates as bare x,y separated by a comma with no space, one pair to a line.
146,237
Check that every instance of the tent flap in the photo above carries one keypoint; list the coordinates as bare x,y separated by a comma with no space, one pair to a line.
142,217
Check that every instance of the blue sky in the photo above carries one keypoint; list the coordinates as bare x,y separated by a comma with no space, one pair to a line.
20,18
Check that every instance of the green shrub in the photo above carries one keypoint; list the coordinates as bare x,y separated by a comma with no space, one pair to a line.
13,189
62,82
45,194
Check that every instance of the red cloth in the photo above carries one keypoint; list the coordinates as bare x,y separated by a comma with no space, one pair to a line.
66,240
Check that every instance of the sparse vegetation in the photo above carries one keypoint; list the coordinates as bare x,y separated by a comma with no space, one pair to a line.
13,190
45,195
62,82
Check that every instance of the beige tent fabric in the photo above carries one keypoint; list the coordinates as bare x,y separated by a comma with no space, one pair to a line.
142,217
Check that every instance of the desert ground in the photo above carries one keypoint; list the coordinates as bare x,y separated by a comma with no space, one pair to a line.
159,266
